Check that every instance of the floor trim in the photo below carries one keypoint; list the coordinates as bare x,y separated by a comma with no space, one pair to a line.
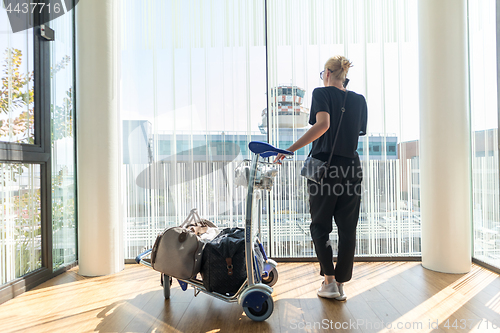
356,259
492,268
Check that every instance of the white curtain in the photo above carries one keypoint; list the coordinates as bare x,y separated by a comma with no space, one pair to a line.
380,39
193,76
195,80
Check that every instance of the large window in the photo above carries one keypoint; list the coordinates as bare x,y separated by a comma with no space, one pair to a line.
20,194
197,85
484,130
380,38
194,87
37,188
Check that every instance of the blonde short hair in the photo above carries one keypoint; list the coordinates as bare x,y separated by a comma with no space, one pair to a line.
339,66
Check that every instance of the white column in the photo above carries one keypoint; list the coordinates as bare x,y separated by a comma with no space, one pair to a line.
445,168
100,231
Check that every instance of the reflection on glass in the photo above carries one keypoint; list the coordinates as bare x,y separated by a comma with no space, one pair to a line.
382,43
63,150
193,92
20,221
16,83
201,78
484,121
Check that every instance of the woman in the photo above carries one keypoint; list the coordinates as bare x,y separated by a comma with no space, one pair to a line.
339,194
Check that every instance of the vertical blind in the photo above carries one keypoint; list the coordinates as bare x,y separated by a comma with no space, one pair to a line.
380,39
197,79
194,84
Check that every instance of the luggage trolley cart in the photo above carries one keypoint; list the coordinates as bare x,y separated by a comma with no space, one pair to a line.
255,293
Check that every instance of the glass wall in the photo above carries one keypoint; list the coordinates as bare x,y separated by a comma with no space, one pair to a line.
484,130
37,187
63,145
380,39
20,222
193,89
195,92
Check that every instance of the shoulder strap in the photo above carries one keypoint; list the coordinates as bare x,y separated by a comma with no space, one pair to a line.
338,129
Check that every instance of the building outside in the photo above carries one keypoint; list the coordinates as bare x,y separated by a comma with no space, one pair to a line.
196,170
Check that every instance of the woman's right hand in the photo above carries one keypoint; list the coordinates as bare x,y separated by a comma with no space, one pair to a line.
279,158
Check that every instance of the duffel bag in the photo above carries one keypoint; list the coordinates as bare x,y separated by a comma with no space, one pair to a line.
223,264
177,251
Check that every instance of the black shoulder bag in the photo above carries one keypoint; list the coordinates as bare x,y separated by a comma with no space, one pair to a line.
315,169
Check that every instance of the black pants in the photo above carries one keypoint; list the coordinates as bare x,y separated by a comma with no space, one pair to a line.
339,196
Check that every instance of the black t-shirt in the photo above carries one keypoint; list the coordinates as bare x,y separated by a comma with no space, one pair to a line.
330,99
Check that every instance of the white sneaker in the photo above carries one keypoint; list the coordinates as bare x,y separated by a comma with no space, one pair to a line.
342,296
328,290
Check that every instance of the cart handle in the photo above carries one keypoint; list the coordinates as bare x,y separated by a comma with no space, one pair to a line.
264,149
142,255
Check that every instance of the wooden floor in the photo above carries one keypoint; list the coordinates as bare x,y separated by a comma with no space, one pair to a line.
400,293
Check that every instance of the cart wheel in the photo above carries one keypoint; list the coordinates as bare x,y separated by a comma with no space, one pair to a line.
271,278
161,279
166,285
262,314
